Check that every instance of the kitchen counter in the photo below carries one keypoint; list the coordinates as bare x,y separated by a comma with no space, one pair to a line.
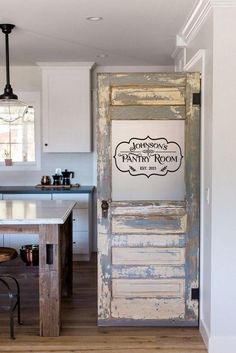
34,212
84,189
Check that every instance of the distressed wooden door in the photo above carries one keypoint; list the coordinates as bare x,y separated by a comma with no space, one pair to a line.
148,198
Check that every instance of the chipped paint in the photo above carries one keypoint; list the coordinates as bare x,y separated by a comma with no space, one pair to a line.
148,309
146,256
151,271
144,240
149,224
192,304
147,288
141,243
142,95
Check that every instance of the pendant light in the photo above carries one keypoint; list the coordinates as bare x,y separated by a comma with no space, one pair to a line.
11,108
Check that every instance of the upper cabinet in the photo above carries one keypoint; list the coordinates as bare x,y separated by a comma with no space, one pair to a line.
66,107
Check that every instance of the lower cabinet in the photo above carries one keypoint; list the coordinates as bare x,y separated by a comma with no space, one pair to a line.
82,227
82,223
14,240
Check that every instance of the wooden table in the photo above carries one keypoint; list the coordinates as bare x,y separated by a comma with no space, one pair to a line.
52,220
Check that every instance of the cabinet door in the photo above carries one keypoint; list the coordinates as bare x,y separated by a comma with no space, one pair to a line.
66,109
17,240
81,224
81,244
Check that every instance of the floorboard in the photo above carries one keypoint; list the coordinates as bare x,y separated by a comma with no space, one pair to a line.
80,333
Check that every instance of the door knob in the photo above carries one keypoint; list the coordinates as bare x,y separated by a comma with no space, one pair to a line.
104,206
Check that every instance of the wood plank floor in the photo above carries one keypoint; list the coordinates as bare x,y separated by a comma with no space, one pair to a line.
79,331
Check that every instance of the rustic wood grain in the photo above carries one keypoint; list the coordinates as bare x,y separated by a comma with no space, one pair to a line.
146,256
79,331
147,288
192,180
103,193
148,112
151,308
148,240
149,224
148,271
160,79
131,229
167,208
49,281
147,95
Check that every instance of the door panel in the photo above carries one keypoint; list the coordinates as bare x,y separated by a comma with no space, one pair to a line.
148,238
149,95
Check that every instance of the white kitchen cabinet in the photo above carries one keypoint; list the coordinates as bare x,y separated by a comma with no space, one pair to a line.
66,107
16,240
82,224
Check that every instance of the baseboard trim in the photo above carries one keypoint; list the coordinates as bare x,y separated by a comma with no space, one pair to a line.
204,331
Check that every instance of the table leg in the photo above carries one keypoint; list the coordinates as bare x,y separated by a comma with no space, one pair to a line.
49,280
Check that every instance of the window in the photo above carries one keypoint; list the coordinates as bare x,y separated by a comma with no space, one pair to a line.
19,139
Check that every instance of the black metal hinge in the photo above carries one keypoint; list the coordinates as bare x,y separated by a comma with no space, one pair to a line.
195,294
197,98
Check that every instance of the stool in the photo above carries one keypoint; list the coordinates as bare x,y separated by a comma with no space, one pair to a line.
7,254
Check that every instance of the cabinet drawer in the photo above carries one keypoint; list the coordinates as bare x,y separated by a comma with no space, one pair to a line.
82,199
80,243
26,196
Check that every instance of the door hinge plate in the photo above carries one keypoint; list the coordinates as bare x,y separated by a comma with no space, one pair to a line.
195,294
197,98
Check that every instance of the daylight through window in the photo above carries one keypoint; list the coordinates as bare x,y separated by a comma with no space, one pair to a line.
17,138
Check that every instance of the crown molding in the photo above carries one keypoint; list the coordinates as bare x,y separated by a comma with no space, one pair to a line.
197,17
195,20
223,3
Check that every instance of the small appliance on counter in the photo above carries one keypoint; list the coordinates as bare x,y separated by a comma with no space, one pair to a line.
57,179
61,179
46,180
66,177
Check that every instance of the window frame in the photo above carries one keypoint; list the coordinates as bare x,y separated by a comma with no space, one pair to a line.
32,98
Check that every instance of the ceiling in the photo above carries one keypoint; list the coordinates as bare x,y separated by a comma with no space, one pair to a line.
132,32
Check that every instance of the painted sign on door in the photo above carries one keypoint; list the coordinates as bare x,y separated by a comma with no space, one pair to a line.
148,157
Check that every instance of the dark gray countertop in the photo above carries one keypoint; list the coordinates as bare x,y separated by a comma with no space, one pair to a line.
83,189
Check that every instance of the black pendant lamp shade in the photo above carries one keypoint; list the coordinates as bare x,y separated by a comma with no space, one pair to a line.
10,107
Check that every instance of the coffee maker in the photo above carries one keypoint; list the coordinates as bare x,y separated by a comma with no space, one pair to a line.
66,177
56,179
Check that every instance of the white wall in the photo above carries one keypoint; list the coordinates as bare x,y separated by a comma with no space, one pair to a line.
218,300
224,183
29,79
